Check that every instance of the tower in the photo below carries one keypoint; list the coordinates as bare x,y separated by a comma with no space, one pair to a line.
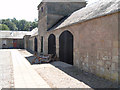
49,13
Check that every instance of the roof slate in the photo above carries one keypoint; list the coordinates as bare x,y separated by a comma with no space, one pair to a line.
34,32
17,34
13,34
100,8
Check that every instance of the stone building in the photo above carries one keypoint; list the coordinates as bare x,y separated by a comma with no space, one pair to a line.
31,41
12,39
84,36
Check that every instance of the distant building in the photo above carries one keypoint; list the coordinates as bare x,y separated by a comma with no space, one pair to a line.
17,39
12,39
31,41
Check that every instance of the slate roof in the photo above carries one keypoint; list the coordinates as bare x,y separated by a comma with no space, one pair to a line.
100,8
17,34
13,34
34,32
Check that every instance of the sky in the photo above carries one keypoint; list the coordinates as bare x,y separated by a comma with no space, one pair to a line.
21,9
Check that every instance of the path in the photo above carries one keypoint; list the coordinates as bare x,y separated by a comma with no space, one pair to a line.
6,71
24,75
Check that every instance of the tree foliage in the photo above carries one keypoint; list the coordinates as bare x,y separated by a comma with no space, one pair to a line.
4,27
19,25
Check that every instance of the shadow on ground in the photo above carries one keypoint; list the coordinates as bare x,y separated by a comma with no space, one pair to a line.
31,59
90,79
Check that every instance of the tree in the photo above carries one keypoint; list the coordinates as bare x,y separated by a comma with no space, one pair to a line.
4,27
34,25
15,21
10,24
19,25
27,26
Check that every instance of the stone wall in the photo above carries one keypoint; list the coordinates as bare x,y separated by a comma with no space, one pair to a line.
20,44
9,43
42,30
64,8
95,45
26,41
0,43
54,11
30,43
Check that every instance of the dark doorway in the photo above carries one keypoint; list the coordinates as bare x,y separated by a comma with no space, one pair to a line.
35,44
41,44
66,47
51,44
14,43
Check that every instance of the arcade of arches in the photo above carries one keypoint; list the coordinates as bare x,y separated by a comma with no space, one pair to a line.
65,46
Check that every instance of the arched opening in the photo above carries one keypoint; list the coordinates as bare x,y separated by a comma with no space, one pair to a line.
52,44
35,44
66,47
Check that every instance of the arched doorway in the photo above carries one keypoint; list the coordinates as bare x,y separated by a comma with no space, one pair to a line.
35,44
66,47
51,44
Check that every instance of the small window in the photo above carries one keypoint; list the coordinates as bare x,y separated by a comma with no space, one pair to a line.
39,15
42,9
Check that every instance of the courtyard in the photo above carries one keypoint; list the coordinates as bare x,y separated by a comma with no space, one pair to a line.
16,71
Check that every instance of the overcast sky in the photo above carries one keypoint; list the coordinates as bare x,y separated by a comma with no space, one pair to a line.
21,9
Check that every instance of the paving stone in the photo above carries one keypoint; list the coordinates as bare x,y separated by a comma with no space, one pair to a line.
6,74
27,76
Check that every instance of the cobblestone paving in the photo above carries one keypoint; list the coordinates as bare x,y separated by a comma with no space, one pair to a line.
6,71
